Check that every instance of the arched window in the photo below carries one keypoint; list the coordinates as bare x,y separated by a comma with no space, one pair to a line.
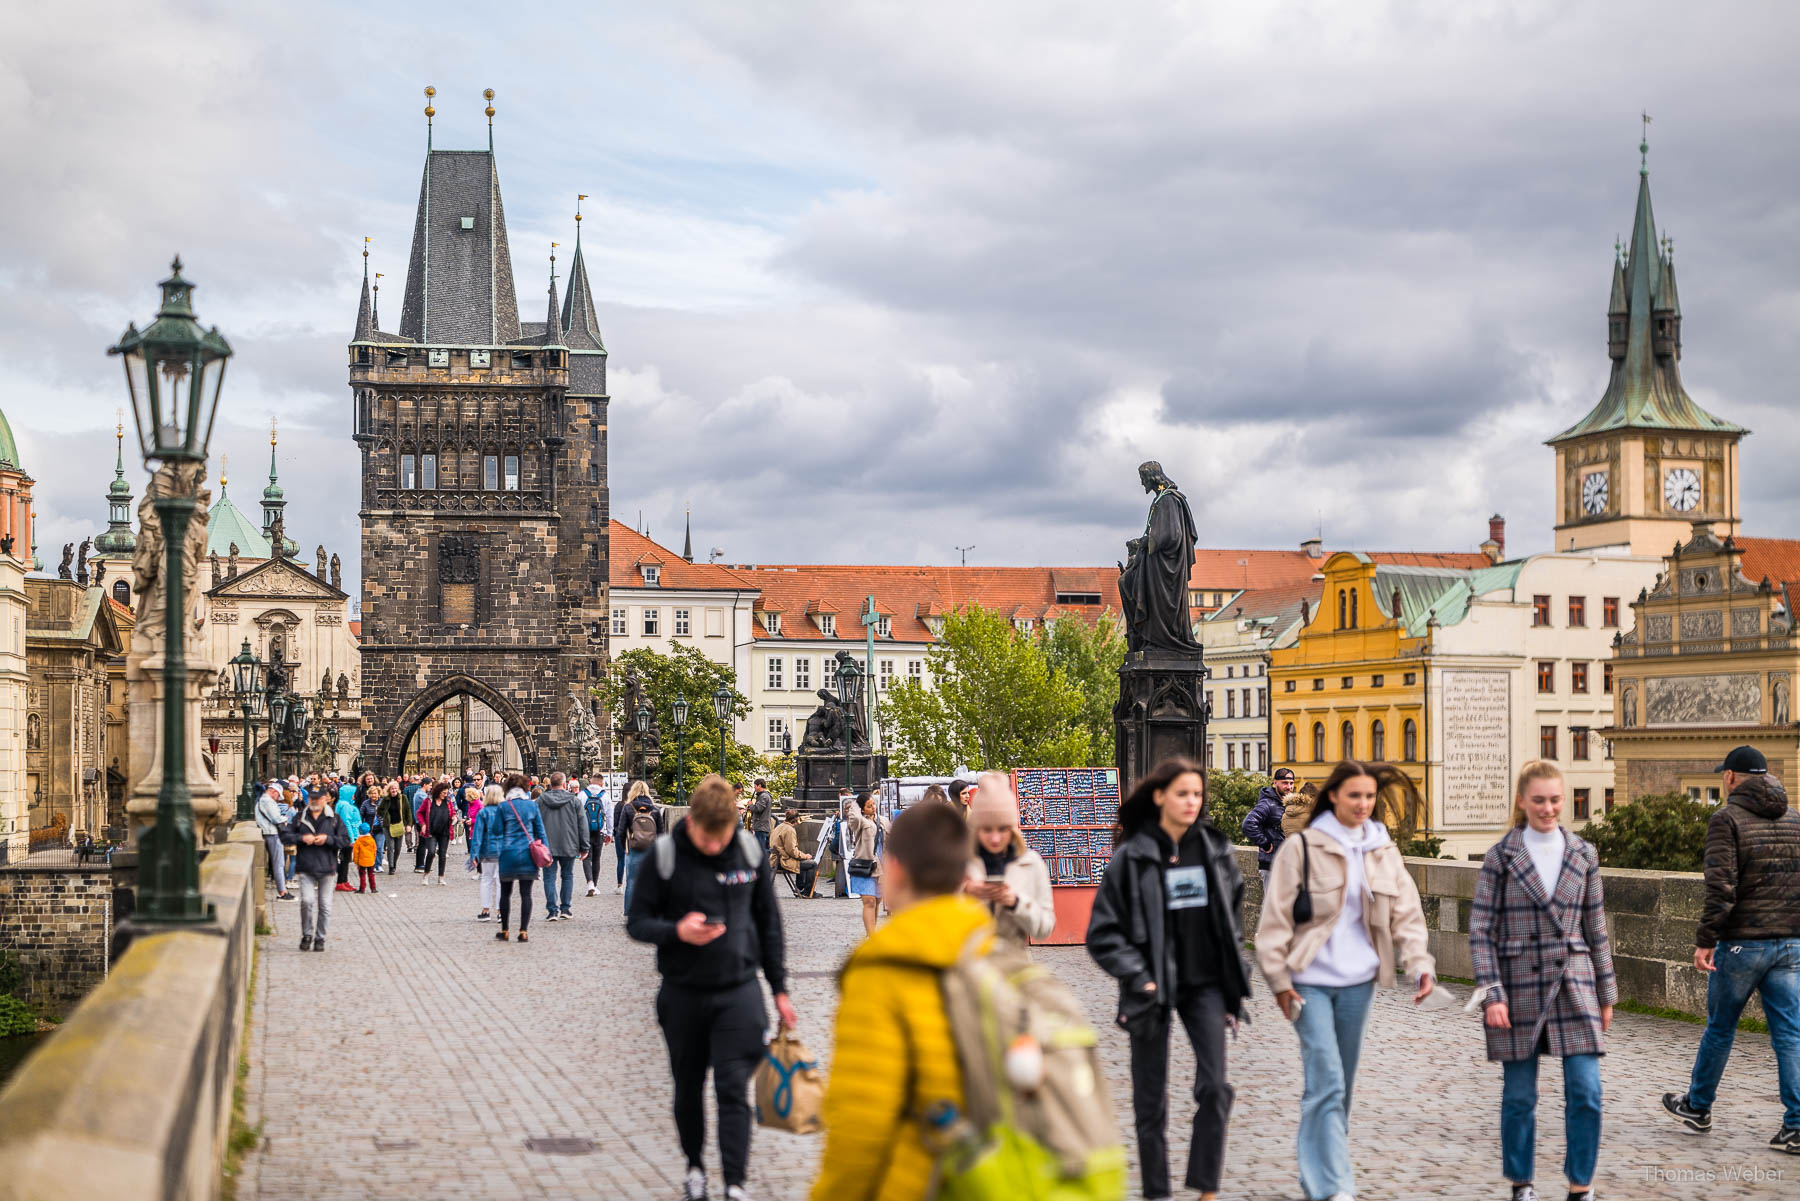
1409,741
1377,741
1353,595
122,592
1292,744
1347,733
1343,608
1318,742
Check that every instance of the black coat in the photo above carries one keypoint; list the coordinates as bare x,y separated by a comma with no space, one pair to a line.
1127,938
316,859
1752,866
731,885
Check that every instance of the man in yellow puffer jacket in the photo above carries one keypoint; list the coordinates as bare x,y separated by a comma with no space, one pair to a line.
894,1058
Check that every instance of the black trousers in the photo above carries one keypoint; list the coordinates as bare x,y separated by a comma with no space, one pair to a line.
343,865
723,1031
1202,1012
506,889
420,844
591,865
439,845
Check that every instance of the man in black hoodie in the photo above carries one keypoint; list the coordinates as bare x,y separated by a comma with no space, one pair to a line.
317,836
1748,939
706,900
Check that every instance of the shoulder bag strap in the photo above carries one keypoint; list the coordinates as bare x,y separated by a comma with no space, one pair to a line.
517,818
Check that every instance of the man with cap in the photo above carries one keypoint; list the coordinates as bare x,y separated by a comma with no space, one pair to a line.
1262,825
1749,939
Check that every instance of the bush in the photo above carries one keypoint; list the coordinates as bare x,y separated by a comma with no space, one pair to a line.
11,977
1662,832
1423,847
1229,796
16,1017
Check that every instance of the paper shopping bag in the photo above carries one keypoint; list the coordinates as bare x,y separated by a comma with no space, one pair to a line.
790,1090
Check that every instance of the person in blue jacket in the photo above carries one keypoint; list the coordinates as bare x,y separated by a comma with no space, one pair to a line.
351,817
506,832
1262,825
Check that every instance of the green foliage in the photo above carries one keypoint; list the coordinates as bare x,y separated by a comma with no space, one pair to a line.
16,1017
11,977
1089,657
1423,847
686,672
1662,832
998,704
1229,797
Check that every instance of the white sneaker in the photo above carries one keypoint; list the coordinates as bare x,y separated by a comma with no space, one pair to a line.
592,891
617,889
736,1193
695,1185
440,882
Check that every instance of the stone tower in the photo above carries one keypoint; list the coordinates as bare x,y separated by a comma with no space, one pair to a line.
484,486
1639,470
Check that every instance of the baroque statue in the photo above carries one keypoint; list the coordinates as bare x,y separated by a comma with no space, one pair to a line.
343,690
66,570
81,568
321,557
1153,581
337,573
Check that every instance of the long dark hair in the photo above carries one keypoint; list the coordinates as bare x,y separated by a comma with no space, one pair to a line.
1139,809
1347,769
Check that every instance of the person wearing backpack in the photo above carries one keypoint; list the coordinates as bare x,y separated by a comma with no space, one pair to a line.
1168,925
641,822
596,810
706,902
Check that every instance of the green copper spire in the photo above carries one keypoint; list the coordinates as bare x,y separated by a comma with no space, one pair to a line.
119,540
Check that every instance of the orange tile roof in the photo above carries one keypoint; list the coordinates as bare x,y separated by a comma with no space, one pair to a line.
629,548
1777,558
355,630
1217,570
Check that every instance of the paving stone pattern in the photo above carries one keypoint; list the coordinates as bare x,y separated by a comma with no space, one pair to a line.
417,1055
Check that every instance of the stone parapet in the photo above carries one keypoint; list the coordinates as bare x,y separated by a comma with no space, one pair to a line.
56,918
131,1098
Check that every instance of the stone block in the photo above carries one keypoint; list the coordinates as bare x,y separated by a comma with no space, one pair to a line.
1631,891
1451,951
1642,980
1683,894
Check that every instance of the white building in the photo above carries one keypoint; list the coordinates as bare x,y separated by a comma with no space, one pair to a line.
1238,636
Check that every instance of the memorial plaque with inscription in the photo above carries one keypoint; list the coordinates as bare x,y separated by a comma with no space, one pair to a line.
1477,748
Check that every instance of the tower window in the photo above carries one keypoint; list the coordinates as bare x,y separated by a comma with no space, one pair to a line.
428,472
409,474
1540,610
512,473
490,472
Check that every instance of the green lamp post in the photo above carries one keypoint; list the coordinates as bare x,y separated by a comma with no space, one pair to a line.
680,712
247,688
174,370
850,690
278,710
297,721
642,719
722,707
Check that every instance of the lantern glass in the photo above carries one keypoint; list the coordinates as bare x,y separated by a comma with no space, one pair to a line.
299,716
643,719
722,704
278,707
680,711
850,681
174,371
246,674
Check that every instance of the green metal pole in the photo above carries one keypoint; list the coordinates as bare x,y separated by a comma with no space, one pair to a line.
246,801
170,889
721,746
680,766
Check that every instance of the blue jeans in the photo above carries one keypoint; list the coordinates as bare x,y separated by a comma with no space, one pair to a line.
381,846
619,850
1770,966
1581,1118
1330,1027
634,861
566,865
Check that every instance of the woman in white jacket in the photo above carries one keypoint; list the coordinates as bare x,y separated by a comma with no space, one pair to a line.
1005,873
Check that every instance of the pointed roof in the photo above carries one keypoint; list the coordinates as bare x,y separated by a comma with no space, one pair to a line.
365,311
581,328
118,539
227,524
687,543
459,281
552,329
1645,391
275,579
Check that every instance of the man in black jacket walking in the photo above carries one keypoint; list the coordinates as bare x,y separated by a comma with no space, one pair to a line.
706,901
317,836
1749,939
1262,825
762,819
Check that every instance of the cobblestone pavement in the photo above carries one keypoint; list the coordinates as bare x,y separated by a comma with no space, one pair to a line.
417,1055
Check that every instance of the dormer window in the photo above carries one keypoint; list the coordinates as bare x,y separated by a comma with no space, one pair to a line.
1023,624
480,358
652,575
935,625
437,358
828,624
772,622
884,627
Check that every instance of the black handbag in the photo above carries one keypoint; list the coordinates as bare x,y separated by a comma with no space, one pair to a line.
862,867
1303,909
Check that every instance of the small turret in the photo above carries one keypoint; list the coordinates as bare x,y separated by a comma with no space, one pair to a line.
119,540
1618,312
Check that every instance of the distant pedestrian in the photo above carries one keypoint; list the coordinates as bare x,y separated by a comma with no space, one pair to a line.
790,858
351,816
317,835
866,826
391,824
565,826
269,822
436,821
1543,977
1262,825
640,822
1749,939
596,812
707,904
1324,965
362,853
1168,925
1006,874
505,832
762,816
484,848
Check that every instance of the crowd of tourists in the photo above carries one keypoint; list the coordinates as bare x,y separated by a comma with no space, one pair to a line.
913,1110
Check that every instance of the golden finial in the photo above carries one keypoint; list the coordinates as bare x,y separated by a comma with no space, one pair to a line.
271,431
430,112
366,240
224,468
578,199
120,430
488,95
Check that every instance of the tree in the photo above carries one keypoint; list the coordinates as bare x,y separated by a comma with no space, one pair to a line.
997,704
1661,832
1229,797
1089,656
686,672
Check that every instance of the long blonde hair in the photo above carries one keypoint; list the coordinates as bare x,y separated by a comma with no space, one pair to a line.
1537,769
638,789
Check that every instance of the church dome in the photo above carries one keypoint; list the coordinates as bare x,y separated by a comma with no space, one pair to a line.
9,450
227,524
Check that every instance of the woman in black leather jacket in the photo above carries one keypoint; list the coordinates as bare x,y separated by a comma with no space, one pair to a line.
1168,925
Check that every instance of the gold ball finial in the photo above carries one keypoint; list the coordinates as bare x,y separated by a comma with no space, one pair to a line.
365,247
488,95
579,197
430,112
224,469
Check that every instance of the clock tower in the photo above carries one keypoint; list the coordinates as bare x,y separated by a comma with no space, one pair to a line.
1638,471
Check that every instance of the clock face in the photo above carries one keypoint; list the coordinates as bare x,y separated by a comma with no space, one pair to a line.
1593,493
1681,489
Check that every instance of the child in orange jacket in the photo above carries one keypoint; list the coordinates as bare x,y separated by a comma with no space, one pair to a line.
362,853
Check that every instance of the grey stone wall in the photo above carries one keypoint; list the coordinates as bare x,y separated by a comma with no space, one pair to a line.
57,921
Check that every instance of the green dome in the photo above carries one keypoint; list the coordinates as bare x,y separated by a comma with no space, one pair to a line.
9,450
227,524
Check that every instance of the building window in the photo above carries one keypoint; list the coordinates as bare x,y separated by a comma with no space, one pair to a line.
1409,741
828,624
511,477
1262,756
428,472
1609,612
772,622
1289,685
1209,754
1377,681
652,622
1606,678
777,727
1290,741
1540,610
618,623
1230,703
1318,742
1577,612
684,625
409,476
1578,743
1230,672
1343,609
884,627
1262,702
1353,595
803,672
915,669
1319,685
1609,800
1546,742
1581,804
828,673
884,671
1023,625
1377,740
775,672
1244,748
1578,677
1347,740
1348,682
1546,673
490,472
1231,756
1410,678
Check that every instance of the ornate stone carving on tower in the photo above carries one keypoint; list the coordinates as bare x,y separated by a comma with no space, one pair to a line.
484,491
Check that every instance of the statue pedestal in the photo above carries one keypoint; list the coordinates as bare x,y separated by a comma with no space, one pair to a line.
1161,712
817,778
213,810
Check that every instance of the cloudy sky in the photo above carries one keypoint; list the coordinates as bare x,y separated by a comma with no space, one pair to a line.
880,280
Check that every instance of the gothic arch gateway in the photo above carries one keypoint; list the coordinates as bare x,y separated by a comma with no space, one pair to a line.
433,700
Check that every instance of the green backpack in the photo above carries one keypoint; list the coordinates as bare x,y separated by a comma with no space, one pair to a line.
1026,1135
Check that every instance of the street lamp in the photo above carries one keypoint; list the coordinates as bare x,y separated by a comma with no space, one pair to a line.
680,711
247,690
722,707
278,709
642,719
850,689
174,371
297,719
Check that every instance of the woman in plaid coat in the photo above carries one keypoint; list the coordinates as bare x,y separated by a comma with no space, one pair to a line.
1544,976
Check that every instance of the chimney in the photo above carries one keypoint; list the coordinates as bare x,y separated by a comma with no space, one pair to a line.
1314,548
1497,535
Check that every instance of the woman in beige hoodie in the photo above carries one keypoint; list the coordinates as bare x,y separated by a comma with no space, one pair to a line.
1359,915
1005,873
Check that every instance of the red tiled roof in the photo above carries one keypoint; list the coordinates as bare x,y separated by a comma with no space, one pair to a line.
1218,570
1776,558
629,548
356,630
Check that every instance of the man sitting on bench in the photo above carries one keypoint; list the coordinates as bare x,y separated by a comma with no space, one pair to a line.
786,848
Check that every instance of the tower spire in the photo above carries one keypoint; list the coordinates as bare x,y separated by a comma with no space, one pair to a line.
687,543
375,308
273,501
580,326
119,540
552,325
365,310
1644,146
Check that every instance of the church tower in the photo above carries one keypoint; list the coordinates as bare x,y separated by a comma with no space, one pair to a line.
1646,463
484,493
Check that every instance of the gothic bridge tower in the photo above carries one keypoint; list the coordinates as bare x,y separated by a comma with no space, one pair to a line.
484,494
